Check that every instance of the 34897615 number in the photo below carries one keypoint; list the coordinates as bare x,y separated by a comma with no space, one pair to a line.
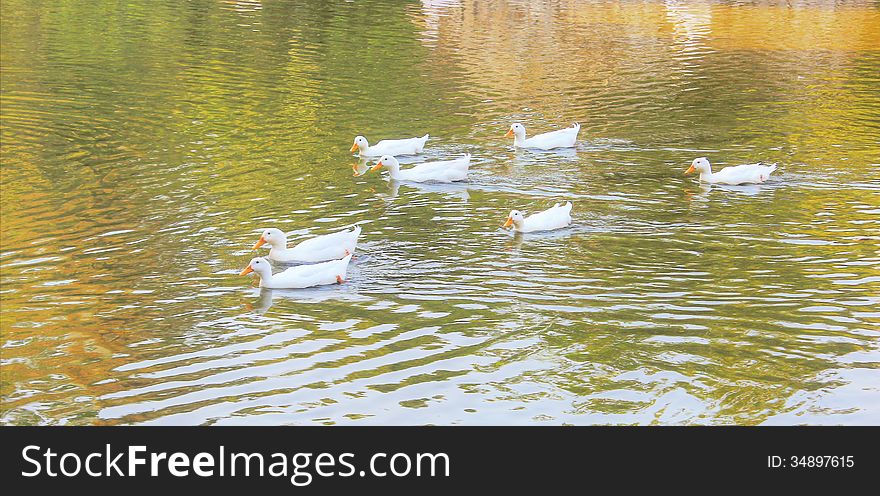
811,461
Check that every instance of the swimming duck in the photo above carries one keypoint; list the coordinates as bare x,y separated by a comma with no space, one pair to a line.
301,276
739,174
562,138
408,146
555,217
318,249
445,171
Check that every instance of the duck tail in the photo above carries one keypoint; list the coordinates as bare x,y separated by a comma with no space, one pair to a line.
342,263
343,266
567,206
353,240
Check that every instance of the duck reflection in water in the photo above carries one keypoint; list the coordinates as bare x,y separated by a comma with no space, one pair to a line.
527,156
267,297
455,190
360,168
702,191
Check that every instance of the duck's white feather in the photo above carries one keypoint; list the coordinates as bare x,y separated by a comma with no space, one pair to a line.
563,138
555,217
445,171
407,146
740,174
306,276
320,248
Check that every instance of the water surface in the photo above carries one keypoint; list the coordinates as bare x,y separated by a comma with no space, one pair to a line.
145,144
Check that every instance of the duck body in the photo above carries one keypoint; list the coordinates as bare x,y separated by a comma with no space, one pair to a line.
563,138
407,146
444,171
318,249
301,276
555,217
735,175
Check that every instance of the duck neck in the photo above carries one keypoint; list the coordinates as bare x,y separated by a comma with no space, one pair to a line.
265,277
706,175
393,170
519,139
279,244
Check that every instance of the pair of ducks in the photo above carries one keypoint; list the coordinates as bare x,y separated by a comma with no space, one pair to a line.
447,171
563,138
334,251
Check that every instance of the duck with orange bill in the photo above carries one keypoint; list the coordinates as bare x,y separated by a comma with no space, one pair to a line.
563,138
555,217
406,146
301,276
442,171
318,249
739,174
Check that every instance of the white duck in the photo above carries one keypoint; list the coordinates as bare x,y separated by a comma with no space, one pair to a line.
408,146
563,138
740,174
555,217
301,276
318,249
445,171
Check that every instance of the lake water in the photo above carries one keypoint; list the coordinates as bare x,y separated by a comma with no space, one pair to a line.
145,144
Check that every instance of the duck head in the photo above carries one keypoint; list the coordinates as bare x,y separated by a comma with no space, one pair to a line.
700,165
360,143
517,130
274,237
386,161
259,265
515,218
